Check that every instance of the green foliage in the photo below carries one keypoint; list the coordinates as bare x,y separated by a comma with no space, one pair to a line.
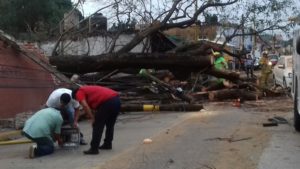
31,16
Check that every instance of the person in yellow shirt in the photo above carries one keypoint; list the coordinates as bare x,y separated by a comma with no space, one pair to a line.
266,70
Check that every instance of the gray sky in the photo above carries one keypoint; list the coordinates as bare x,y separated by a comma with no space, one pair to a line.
297,2
89,7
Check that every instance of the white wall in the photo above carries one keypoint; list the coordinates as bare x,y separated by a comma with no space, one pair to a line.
98,45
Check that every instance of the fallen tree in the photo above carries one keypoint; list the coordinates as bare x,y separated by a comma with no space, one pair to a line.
229,75
194,57
87,64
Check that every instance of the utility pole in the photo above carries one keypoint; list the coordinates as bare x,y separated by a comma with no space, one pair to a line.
197,31
151,9
61,31
254,36
243,34
274,42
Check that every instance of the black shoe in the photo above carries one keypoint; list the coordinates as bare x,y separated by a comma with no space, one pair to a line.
82,142
105,147
91,151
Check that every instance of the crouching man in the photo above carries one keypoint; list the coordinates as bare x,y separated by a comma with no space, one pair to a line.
61,99
43,128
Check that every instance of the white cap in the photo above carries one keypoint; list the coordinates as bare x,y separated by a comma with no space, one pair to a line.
75,78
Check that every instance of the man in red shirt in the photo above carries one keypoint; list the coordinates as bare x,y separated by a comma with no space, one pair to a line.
107,105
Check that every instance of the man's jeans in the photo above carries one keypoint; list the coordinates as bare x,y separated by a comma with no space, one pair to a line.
249,70
68,115
45,145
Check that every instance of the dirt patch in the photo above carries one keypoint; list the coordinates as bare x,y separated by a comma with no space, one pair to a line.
243,153
246,153
278,104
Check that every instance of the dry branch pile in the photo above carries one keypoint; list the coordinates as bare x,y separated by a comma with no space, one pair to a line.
162,88
185,79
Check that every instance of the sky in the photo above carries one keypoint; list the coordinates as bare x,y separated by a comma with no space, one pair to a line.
91,6
297,2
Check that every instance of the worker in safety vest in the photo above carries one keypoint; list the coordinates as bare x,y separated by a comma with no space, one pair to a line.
266,70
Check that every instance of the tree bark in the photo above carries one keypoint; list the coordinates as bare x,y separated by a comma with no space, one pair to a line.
163,107
226,94
232,76
171,61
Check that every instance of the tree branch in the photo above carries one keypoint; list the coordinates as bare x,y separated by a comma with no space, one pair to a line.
197,13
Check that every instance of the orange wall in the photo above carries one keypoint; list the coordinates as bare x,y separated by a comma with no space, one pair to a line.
24,85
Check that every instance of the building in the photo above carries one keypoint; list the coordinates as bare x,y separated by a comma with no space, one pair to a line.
72,19
188,34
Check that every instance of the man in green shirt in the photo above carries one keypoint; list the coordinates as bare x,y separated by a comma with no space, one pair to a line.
220,64
43,128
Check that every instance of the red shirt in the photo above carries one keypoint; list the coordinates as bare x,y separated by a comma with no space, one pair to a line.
95,95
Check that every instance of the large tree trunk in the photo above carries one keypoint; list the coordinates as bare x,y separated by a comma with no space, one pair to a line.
164,107
171,61
232,76
232,94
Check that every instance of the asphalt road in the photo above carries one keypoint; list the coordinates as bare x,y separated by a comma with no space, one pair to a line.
219,137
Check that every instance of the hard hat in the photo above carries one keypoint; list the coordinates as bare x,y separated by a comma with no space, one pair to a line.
216,53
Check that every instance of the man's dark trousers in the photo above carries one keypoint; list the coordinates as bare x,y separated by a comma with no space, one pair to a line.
105,116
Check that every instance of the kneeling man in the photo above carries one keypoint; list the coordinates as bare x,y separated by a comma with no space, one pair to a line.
44,129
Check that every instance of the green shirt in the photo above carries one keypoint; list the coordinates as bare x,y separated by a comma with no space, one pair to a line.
44,123
220,64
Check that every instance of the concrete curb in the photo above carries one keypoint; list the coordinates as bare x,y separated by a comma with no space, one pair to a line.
4,136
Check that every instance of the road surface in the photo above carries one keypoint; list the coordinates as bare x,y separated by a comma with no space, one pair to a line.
220,137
